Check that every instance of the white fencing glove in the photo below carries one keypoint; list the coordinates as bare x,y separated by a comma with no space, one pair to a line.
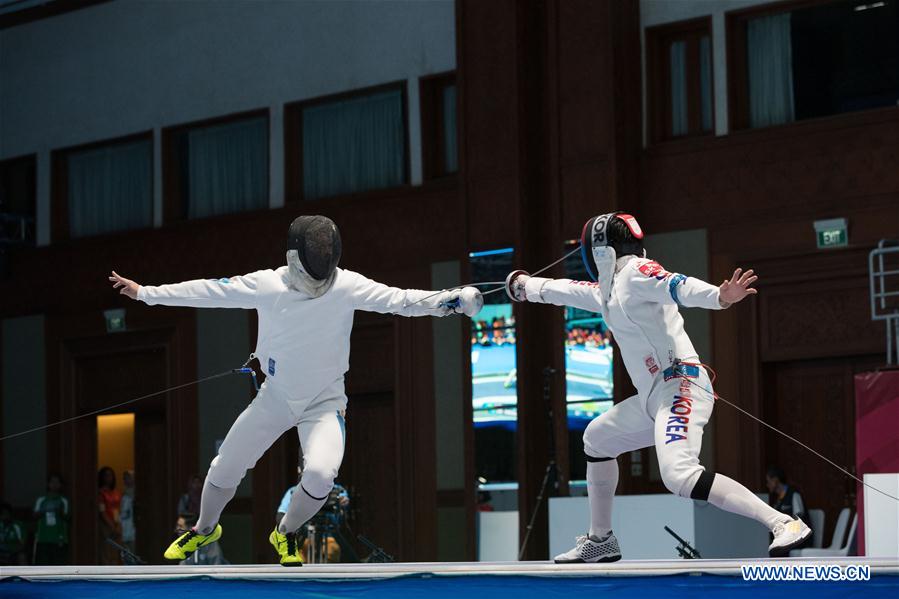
467,301
515,282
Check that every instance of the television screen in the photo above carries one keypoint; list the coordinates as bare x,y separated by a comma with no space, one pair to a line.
493,375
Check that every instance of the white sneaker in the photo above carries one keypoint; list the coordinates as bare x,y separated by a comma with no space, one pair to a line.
591,550
788,535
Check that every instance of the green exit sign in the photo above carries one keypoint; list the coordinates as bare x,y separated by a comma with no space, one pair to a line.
832,233
115,320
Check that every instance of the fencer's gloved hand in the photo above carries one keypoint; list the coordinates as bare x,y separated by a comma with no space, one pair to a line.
515,282
467,301
471,301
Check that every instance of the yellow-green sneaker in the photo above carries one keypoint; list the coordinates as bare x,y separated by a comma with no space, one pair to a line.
287,548
185,545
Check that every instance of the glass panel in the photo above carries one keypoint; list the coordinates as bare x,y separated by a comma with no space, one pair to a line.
588,369
354,145
450,153
17,201
770,70
227,168
705,82
110,189
678,60
845,57
493,373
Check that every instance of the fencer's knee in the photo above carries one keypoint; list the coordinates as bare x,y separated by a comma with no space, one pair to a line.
692,482
225,473
318,480
596,445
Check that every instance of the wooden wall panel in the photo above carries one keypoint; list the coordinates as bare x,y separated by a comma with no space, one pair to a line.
488,46
599,109
815,169
829,318
587,97
589,189
380,233
488,49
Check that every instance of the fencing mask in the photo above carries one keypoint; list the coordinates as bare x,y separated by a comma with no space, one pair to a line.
313,251
603,239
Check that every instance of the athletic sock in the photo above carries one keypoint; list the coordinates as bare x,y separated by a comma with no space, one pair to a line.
302,507
602,480
731,496
212,502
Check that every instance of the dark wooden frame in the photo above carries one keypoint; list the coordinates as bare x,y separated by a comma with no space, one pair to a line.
293,134
433,134
31,159
737,71
658,77
69,337
59,180
174,206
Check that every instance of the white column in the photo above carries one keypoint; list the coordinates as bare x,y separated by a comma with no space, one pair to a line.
158,191
719,68
22,361
414,110
276,156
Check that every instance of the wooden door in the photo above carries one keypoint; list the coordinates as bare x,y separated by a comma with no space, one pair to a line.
814,401
154,514
102,379
370,473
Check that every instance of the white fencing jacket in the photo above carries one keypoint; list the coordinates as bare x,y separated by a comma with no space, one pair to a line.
642,312
303,345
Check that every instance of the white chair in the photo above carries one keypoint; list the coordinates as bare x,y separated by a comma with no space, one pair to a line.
816,520
837,546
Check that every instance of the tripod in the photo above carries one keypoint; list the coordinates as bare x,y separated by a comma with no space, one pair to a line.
684,549
551,476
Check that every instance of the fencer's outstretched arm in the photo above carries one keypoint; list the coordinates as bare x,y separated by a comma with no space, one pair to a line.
658,285
559,292
649,281
233,292
371,296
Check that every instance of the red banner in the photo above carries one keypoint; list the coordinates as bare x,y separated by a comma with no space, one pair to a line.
876,431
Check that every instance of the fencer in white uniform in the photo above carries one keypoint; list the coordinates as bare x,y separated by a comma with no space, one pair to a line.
639,301
305,319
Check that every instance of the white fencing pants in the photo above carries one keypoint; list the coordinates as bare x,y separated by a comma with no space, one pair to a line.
671,418
321,434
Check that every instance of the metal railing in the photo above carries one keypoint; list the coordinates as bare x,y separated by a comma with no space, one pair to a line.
883,275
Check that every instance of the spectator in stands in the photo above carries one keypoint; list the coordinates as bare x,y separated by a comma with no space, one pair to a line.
51,539
189,504
12,538
126,513
110,524
785,498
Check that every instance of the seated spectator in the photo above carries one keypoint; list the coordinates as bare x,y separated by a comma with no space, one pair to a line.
12,539
189,504
51,539
126,514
